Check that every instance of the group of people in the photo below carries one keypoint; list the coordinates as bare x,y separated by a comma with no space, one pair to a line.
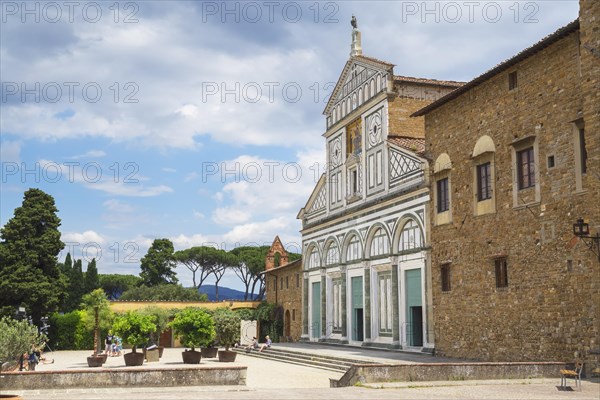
254,345
113,345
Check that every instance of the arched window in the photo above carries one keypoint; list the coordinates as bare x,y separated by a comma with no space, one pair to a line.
332,256
313,259
360,96
411,237
353,250
380,244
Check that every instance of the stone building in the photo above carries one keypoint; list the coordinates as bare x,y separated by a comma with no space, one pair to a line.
284,287
364,227
516,156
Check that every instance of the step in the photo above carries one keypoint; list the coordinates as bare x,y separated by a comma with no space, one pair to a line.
306,355
330,366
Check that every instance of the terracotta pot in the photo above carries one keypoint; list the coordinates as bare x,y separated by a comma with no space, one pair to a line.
96,361
191,357
209,352
227,356
133,359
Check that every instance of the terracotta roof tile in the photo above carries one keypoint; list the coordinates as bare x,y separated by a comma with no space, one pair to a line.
416,145
411,79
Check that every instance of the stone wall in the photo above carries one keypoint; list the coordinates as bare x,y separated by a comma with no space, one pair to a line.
287,294
550,309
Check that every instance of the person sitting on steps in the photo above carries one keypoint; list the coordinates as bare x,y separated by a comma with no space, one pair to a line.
253,345
266,344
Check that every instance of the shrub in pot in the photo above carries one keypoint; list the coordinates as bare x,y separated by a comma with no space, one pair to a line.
227,327
161,316
195,328
96,304
134,328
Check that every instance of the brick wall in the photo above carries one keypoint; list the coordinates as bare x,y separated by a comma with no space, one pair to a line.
551,306
288,294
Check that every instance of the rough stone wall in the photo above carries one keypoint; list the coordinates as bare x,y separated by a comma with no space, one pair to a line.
288,295
551,307
276,247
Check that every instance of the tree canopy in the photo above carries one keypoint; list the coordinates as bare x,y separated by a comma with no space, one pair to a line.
115,285
165,292
158,264
29,273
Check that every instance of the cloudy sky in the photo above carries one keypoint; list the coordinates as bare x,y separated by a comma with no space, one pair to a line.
201,122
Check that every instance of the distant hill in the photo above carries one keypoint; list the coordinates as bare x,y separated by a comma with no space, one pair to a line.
224,293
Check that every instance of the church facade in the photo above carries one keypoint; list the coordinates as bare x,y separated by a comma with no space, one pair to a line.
366,275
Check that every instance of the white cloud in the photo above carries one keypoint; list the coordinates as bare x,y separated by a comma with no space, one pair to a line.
230,216
182,241
198,215
89,154
83,238
166,169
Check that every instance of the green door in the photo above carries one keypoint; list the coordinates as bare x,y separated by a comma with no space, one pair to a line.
414,308
316,311
357,309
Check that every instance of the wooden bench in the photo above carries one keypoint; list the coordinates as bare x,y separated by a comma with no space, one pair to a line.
572,374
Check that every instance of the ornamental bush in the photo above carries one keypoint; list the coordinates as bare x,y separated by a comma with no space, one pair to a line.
227,327
195,327
16,338
134,328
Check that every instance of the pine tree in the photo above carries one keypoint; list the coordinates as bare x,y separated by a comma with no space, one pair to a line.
29,273
158,264
91,277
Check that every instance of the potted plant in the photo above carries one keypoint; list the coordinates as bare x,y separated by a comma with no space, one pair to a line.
134,328
161,317
96,303
227,327
196,328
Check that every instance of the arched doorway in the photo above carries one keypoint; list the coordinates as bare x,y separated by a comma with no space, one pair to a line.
286,324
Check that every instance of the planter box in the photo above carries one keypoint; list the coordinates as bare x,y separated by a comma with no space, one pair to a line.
152,355
133,359
227,356
191,357
209,352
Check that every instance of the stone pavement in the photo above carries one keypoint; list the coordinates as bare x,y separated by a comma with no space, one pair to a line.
269,379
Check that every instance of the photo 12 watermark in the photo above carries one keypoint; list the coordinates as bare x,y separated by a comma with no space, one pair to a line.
271,92
453,12
263,171
70,171
53,12
253,12
71,92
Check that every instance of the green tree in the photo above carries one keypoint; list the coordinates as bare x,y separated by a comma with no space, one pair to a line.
198,259
161,318
16,338
227,327
251,262
165,292
29,248
76,287
195,327
67,265
96,303
158,264
134,327
115,285
91,277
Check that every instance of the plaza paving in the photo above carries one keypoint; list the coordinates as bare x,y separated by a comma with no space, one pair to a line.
268,379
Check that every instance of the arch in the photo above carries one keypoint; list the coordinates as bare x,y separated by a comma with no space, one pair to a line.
348,105
372,84
442,163
331,252
485,144
334,115
378,83
402,223
360,96
313,256
366,92
339,112
343,108
354,101
378,241
352,247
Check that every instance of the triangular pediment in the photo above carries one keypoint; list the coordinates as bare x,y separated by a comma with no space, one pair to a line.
317,200
356,72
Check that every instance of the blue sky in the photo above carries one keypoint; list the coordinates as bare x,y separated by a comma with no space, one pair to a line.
201,121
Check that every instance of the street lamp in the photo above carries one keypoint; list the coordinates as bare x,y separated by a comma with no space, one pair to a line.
581,229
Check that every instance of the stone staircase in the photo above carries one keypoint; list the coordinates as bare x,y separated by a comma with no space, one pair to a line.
330,363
